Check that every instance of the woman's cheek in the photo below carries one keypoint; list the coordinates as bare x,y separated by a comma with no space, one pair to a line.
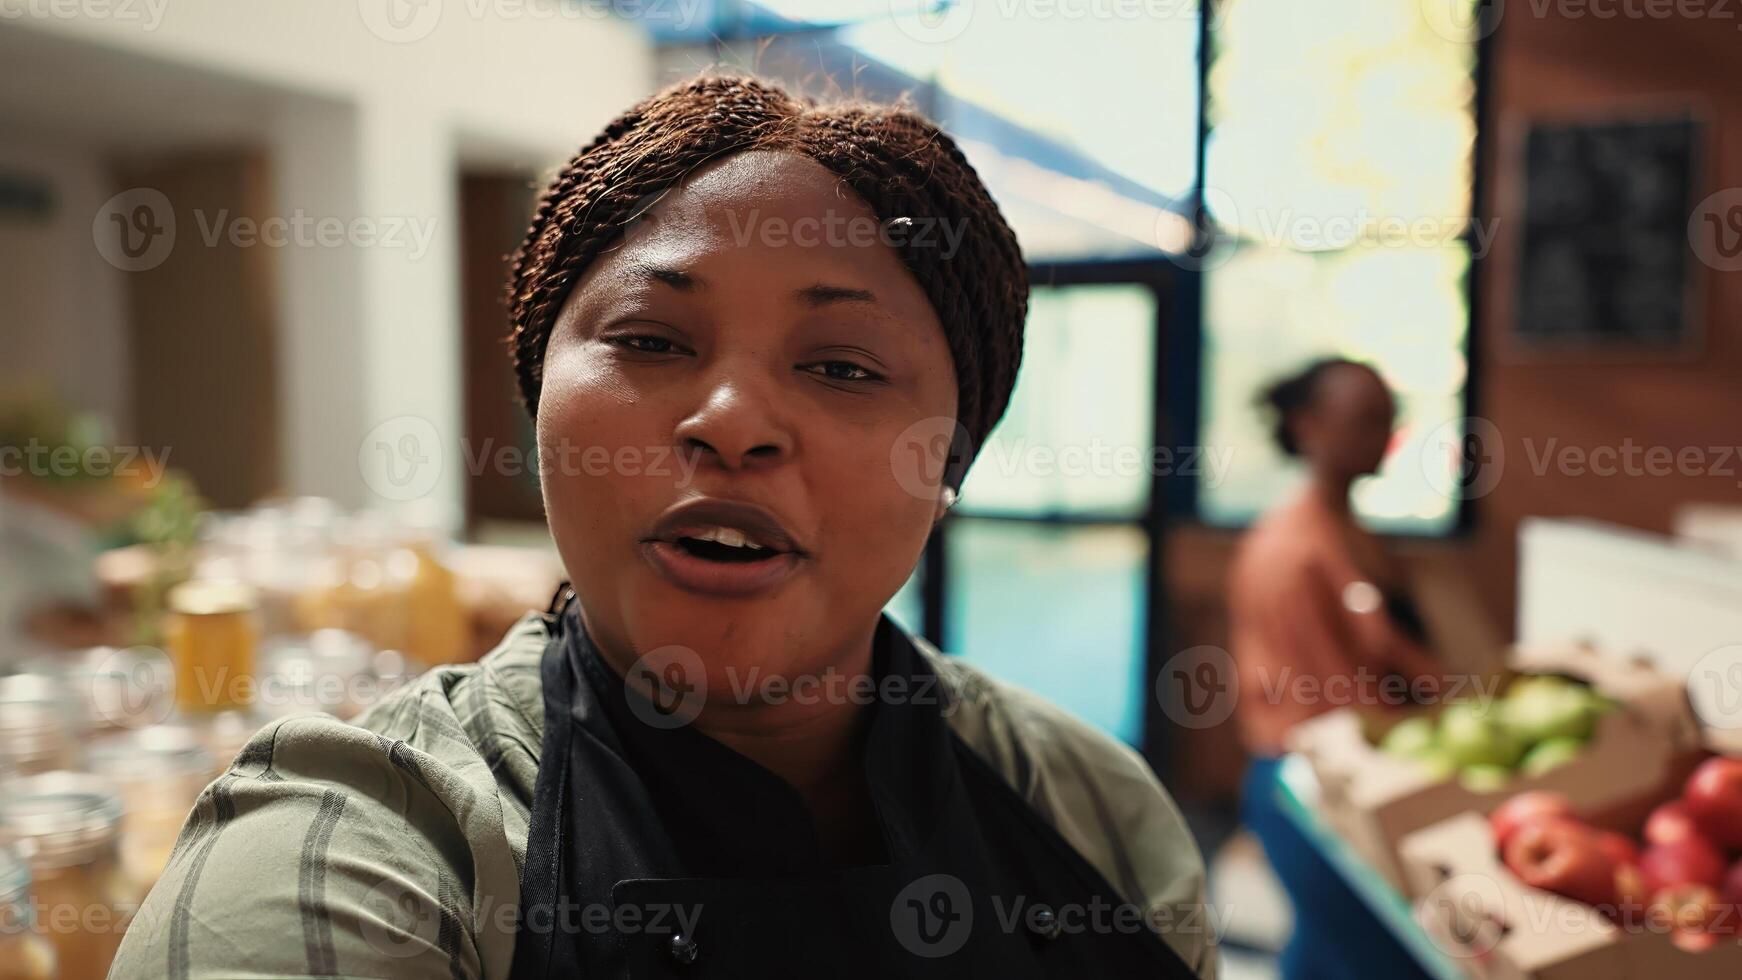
892,521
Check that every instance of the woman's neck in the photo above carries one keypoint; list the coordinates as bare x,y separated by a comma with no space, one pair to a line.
816,747
1331,491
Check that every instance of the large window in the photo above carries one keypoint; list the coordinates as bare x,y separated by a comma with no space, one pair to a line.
1339,165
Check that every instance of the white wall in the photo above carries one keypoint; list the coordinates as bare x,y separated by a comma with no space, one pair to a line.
367,121
64,324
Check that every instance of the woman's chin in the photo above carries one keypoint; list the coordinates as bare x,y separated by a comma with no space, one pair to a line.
736,641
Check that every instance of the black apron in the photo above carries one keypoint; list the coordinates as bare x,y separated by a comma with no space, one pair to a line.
975,883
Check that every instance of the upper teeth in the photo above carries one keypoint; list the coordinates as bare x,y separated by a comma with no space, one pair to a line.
729,536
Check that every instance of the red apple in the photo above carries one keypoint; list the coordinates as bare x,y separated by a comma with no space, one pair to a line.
1632,899
1670,823
1527,808
1691,913
1693,940
1620,849
1713,797
1731,890
1562,857
1690,862
1730,901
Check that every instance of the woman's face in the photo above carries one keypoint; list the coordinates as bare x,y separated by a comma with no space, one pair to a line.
1346,430
753,340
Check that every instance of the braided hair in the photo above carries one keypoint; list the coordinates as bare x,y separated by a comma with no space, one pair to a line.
893,158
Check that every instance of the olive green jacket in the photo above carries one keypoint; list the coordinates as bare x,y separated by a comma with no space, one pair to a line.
392,848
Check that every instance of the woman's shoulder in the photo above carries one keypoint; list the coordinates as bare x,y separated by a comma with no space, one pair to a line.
392,844
1096,792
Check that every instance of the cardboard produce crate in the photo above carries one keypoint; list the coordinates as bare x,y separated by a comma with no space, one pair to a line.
1499,928
1374,799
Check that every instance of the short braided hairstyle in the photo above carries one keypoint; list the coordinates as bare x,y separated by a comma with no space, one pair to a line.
899,164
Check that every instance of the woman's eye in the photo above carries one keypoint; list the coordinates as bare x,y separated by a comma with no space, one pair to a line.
644,343
846,371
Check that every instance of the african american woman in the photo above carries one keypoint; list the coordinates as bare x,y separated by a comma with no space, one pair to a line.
760,339
1317,605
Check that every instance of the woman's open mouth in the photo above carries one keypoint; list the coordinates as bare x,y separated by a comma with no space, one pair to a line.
721,548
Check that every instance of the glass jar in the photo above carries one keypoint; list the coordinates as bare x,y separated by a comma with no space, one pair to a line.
25,953
327,670
67,825
226,732
437,628
212,635
159,772
122,688
36,724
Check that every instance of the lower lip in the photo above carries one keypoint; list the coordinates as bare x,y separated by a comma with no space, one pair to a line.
718,578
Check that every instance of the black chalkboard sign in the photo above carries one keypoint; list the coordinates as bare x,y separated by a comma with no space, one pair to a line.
1605,259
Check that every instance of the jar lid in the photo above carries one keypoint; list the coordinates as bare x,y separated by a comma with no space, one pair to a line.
211,597
151,753
60,818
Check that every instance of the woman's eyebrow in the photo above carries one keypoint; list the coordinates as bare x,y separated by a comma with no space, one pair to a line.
822,294
675,278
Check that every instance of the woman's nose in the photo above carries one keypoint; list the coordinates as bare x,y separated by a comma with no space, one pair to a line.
738,426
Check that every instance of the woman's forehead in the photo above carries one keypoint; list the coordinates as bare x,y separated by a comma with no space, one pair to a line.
761,197
766,217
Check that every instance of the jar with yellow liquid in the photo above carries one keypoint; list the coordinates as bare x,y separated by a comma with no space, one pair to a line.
67,825
212,633
158,772
25,954
437,629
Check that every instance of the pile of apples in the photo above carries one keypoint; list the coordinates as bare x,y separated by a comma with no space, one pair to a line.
1541,722
1684,878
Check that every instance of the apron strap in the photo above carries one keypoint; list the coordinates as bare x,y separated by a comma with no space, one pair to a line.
541,875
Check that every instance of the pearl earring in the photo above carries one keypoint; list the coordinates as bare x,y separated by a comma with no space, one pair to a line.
949,496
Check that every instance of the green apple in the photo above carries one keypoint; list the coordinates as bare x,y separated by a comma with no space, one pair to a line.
1540,708
1438,764
1549,754
1473,736
1485,778
1409,738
